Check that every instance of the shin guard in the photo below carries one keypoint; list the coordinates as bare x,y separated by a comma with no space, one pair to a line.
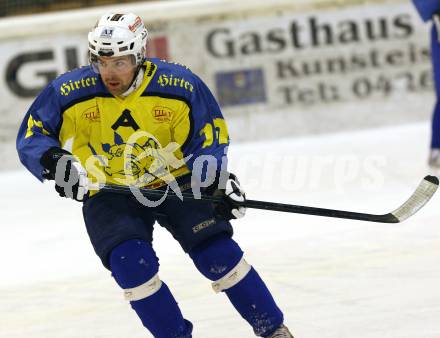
135,266
221,260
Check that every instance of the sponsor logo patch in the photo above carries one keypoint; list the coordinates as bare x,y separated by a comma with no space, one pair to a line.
68,87
162,114
135,25
91,114
169,80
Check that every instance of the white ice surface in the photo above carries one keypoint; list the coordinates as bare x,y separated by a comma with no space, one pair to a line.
332,278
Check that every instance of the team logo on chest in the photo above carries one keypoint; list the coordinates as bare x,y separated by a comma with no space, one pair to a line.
140,159
139,162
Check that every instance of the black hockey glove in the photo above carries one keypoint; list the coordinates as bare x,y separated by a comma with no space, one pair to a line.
69,175
233,195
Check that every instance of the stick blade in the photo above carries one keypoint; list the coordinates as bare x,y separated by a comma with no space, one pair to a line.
418,199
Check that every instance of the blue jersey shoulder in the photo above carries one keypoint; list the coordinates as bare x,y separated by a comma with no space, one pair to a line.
77,84
427,8
173,79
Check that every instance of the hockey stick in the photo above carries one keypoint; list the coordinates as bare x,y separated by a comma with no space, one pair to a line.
415,202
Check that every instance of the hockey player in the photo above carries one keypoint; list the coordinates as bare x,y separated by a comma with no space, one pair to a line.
429,10
130,120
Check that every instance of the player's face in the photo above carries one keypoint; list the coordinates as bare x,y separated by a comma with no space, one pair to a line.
117,73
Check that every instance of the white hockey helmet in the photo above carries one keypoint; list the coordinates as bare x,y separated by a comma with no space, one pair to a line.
118,35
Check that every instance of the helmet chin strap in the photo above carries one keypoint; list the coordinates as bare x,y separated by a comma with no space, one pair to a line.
137,81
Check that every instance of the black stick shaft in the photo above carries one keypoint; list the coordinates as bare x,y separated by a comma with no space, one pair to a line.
305,210
254,204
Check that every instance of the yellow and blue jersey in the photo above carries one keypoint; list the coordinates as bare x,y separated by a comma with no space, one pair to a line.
156,132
